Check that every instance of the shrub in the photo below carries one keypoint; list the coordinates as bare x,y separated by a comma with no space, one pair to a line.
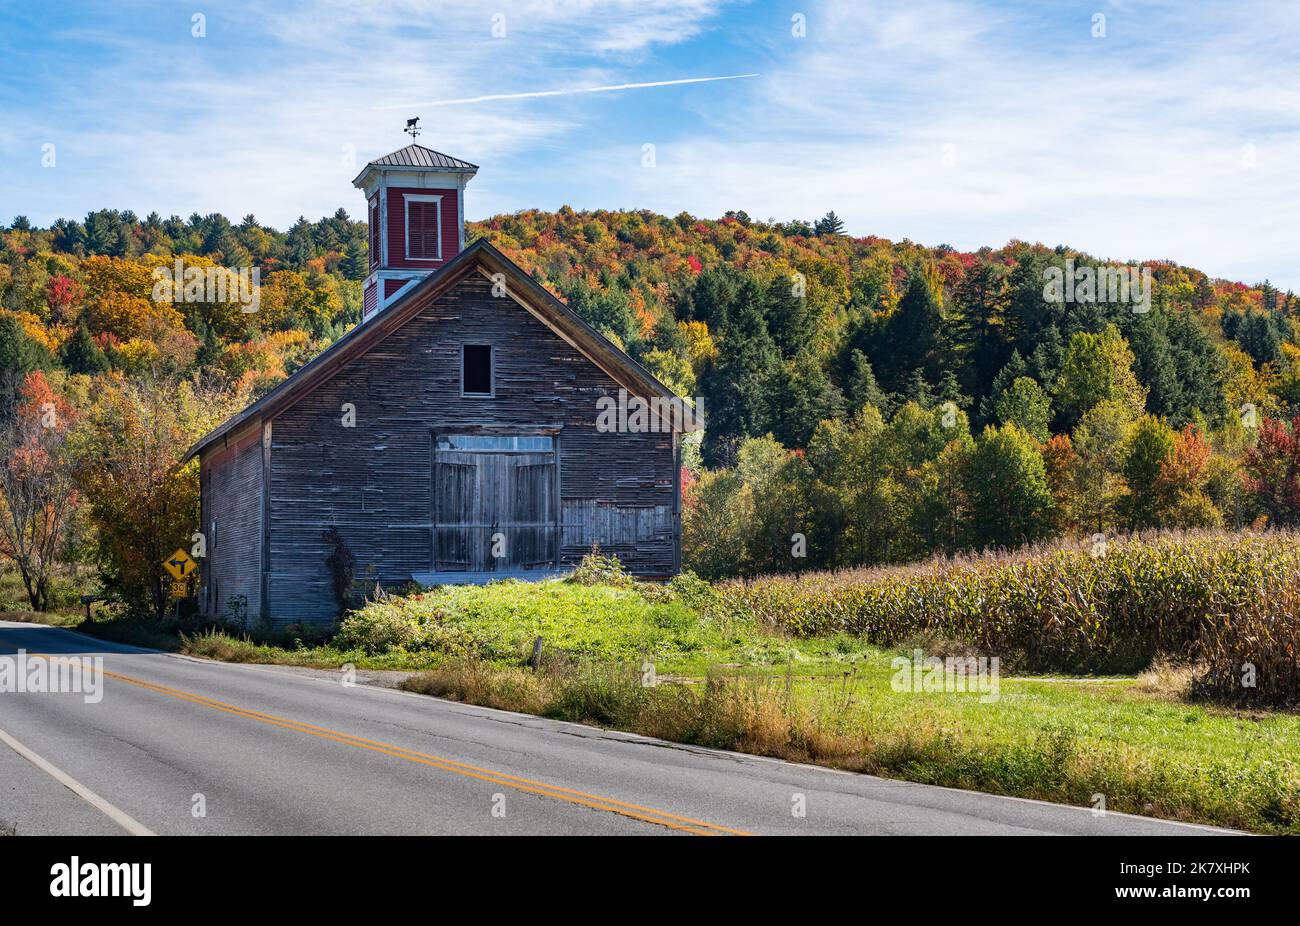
598,569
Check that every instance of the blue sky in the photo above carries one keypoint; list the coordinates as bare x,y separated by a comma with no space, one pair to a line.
1175,135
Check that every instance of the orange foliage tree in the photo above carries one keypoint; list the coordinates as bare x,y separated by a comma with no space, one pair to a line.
37,490
142,501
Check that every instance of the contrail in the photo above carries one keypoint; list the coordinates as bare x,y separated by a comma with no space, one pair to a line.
606,89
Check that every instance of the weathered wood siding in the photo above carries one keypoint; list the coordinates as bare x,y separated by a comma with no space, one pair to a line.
232,523
375,481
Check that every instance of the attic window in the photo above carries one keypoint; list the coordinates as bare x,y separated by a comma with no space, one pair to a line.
476,370
423,227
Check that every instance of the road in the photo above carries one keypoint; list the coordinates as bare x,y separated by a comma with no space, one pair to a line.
187,746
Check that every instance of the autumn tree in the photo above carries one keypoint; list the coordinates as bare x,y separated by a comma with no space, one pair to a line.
1183,483
37,490
142,500
1272,471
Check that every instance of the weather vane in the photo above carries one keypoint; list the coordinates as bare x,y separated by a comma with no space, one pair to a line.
412,127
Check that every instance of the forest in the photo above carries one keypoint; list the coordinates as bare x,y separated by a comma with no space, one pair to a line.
867,401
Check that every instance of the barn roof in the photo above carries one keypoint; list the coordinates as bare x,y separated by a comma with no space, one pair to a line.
418,157
480,254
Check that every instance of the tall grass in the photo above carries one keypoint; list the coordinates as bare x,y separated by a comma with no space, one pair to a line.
1227,601
784,718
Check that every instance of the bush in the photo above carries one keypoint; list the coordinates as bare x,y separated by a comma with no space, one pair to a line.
376,630
599,569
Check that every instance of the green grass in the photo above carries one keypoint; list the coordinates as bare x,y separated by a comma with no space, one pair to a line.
737,681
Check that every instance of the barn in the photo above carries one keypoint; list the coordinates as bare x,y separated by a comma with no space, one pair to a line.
463,430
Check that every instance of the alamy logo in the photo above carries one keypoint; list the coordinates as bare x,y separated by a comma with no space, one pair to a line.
180,283
76,878
952,674
83,675
633,414
1099,284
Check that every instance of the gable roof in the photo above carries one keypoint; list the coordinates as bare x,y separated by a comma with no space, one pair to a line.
481,255
419,157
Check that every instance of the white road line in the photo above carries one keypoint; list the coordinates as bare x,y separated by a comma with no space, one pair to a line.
122,819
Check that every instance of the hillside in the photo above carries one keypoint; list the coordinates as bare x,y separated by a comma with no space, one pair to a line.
918,399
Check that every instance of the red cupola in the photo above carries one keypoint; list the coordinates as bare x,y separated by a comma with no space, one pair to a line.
416,212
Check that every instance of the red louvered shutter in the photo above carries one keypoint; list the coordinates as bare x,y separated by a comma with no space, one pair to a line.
422,229
374,232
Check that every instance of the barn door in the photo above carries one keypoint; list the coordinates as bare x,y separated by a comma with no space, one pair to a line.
532,529
494,504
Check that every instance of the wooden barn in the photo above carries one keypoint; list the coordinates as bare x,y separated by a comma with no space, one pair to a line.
461,431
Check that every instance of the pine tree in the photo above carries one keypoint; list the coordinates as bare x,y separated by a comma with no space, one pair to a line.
861,388
913,335
788,318
736,388
354,263
979,329
82,355
829,224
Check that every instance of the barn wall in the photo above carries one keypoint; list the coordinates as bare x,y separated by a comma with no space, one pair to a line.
232,500
375,480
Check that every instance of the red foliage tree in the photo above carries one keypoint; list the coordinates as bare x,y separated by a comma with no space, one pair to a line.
1272,470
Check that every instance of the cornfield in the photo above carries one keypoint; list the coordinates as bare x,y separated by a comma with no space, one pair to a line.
1227,603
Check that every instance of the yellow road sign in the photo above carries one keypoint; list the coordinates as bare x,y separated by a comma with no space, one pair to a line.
180,589
180,564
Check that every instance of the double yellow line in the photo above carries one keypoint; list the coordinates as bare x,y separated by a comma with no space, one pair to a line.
516,782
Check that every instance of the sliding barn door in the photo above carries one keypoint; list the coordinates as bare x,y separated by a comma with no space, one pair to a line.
494,512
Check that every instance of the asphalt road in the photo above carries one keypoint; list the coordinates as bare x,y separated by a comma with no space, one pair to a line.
263,750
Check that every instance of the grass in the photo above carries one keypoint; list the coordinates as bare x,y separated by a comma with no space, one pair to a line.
1056,739
742,678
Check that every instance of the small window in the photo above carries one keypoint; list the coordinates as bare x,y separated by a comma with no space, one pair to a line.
476,370
423,227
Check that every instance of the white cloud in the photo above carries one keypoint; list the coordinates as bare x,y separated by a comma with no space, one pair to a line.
1128,146
1127,150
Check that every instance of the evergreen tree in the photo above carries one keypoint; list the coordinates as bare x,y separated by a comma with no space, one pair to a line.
861,388
829,224
788,317
82,355
979,329
736,387
300,245
106,234
802,396
913,336
355,262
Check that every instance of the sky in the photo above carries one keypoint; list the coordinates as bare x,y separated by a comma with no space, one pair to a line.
1127,129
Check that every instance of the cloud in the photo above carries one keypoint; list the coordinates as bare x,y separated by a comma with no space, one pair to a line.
973,124
967,123
258,115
